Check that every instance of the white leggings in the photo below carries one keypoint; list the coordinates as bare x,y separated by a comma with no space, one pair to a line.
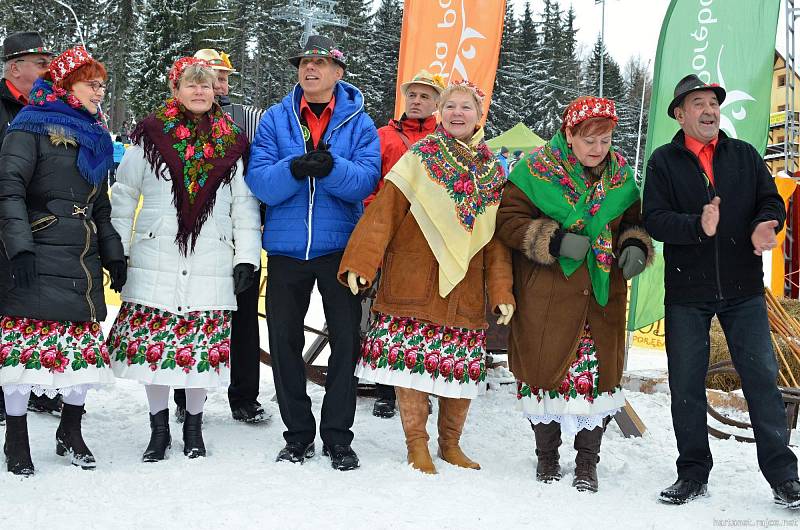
17,404
158,399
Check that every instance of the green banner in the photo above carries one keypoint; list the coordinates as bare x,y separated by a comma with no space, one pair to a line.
730,42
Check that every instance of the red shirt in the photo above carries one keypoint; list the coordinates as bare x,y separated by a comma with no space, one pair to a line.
22,98
316,125
704,152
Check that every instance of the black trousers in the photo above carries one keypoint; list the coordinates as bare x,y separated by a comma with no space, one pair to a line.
746,327
245,350
385,392
289,286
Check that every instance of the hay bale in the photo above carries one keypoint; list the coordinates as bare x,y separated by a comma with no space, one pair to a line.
719,352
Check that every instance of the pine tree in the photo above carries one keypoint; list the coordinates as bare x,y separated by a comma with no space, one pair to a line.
165,37
117,25
507,95
56,25
379,93
552,97
354,40
531,70
271,76
613,88
637,79
568,65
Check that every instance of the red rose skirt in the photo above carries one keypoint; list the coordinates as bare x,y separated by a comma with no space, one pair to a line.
577,403
440,360
157,347
50,357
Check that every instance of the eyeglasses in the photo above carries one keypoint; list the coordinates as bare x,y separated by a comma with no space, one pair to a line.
97,86
41,63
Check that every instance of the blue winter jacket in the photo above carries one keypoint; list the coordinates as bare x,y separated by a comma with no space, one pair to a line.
312,217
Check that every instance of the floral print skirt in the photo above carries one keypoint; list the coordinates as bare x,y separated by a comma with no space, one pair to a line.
440,360
49,356
157,347
577,403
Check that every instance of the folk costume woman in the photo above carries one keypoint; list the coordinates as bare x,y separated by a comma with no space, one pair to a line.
430,230
194,245
55,226
571,214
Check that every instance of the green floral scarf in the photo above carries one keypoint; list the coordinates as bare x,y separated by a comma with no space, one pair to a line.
555,182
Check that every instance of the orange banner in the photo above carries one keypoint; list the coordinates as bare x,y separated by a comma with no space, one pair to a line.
459,39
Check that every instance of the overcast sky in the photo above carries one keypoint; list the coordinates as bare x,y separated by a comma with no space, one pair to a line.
632,26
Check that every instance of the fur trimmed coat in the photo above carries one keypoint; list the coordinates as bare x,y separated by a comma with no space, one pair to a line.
551,308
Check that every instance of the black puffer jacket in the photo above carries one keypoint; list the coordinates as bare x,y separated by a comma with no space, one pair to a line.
47,208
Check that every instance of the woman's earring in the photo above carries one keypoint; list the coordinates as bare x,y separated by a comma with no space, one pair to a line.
569,145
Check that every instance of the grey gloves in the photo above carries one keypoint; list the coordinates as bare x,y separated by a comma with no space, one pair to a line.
631,261
574,246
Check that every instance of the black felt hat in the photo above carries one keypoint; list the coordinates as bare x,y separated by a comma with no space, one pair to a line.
319,46
689,84
23,43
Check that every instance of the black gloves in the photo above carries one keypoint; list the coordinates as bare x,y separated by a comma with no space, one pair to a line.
118,270
243,274
317,163
22,268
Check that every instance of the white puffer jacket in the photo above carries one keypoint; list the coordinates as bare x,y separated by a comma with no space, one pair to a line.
158,275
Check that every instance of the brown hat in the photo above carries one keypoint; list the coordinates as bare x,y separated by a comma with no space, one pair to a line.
218,61
424,77
23,43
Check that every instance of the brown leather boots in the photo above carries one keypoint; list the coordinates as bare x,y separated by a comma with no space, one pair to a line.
587,443
548,440
452,415
414,416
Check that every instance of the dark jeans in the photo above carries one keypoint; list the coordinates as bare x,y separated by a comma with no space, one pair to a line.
245,350
385,392
289,286
744,321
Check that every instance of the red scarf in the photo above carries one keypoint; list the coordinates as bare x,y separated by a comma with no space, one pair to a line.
200,154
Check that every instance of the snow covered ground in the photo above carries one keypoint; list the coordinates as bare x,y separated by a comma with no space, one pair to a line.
240,486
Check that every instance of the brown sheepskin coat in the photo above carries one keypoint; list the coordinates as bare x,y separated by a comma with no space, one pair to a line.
551,308
388,238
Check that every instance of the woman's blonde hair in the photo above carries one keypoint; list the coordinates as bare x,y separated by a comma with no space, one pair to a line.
196,73
460,89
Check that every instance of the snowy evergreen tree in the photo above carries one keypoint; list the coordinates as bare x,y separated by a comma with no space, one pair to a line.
356,43
165,36
379,93
55,24
271,76
637,79
118,25
613,88
554,92
507,97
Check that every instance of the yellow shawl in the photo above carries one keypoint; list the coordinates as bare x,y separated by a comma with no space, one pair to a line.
454,189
